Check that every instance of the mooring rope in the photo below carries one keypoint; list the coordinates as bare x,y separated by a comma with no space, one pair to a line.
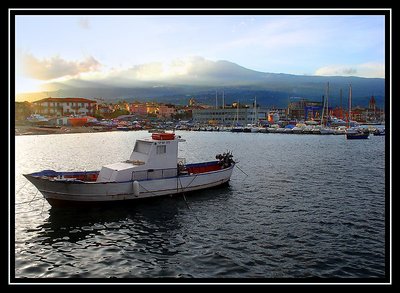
241,170
22,187
184,197
29,201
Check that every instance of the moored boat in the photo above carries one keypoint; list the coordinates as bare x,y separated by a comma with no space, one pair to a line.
379,132
356,133
152,170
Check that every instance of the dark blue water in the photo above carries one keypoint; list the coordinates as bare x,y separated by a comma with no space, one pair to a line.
311,206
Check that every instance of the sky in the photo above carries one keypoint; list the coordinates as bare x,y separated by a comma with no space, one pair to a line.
57,48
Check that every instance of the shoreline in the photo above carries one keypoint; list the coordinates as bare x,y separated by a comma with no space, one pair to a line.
35,130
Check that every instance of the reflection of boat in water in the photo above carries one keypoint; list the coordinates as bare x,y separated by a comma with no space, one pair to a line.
145,222
152,170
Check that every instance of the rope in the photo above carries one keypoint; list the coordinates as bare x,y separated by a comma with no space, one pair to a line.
25,212
241,170
28,201
184,197
42,208
148,190
22,187
189,182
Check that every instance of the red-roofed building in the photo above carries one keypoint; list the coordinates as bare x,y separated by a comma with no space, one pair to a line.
65,106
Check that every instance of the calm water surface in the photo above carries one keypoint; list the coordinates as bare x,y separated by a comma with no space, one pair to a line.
311,206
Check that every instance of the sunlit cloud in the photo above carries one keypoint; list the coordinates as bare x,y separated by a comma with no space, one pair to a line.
55,67
164,70
370,70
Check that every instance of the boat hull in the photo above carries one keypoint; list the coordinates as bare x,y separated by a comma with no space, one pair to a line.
73,192
358,136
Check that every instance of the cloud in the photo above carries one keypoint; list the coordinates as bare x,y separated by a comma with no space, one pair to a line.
56,67
84,23
167,70
370,70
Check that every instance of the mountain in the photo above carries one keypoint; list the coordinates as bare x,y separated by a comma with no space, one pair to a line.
201,78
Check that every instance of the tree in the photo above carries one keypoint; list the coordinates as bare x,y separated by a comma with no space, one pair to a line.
23,110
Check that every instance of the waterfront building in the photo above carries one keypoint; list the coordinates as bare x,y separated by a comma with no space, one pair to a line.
229,116
303,109
65,106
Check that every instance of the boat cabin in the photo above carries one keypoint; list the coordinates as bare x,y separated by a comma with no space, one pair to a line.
151,158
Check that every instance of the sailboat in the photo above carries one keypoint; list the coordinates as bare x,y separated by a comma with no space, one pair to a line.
324,129
354,132
237,127
254,127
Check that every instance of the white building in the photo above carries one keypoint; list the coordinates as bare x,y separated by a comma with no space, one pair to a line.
65,106
229,116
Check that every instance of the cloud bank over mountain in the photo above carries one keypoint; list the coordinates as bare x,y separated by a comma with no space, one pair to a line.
197,76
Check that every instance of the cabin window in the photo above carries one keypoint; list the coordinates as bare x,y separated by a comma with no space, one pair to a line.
161,149
142,147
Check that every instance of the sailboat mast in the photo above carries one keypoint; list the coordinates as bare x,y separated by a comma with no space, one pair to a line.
350,93
341,105
216,100
327,102
237,113
255,111
323,110
223,107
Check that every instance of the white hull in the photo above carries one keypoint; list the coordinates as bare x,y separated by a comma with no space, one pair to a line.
59,192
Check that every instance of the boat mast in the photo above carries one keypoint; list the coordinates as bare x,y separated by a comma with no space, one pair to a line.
223,107
349,118
237,114
255,111
216,101
327,103
323,109
341,105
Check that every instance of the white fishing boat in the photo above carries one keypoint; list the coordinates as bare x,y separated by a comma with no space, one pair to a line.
152,170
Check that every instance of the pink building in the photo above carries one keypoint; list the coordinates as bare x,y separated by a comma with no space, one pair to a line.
165,111
140,109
